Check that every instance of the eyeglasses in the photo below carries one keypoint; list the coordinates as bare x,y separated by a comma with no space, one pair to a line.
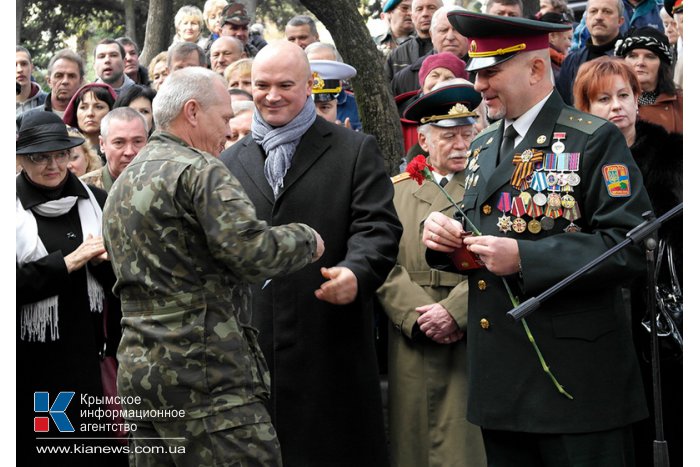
45,158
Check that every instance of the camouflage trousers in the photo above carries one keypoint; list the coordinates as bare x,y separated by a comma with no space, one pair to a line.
240,437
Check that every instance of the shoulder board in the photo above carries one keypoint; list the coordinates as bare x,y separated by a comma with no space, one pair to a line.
581,121
489,129
400,177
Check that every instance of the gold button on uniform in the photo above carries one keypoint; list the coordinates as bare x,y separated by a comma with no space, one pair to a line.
484,323
486,209
481,284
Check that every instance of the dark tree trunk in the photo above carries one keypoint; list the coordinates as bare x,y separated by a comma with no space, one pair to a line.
376,104
130,19
19,12
158,35
250,6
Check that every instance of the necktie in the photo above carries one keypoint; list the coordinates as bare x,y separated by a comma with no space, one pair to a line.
508,143
443,182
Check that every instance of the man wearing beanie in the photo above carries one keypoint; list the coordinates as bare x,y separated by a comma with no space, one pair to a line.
397,15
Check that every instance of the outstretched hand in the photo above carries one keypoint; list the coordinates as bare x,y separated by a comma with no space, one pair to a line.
341,287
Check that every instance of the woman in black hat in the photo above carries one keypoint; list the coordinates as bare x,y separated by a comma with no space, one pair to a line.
63,286
648,51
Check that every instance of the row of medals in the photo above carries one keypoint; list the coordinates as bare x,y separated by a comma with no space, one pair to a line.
557,172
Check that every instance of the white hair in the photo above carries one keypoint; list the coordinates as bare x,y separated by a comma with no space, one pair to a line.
189,83
242,106
413,4
124,114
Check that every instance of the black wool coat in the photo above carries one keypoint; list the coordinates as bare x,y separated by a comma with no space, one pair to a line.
325,403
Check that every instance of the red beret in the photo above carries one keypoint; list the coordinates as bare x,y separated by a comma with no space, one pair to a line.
442,60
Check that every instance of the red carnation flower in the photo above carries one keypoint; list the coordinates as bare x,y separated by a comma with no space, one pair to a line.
419,169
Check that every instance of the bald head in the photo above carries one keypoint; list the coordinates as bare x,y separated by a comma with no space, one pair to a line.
282,51
281,82
224,51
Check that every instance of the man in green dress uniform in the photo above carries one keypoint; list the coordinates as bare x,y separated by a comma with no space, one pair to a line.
427,308
551,189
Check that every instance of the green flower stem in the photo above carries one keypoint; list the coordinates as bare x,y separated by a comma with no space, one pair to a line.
473,228
429,176
531,338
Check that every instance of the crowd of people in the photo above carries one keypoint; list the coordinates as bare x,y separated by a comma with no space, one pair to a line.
219,222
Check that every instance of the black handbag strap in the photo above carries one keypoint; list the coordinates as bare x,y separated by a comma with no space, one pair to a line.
665,254
675,283
659,259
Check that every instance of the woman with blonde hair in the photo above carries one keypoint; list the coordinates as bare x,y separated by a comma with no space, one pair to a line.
189,23
212,19
238,74
83,158
158,70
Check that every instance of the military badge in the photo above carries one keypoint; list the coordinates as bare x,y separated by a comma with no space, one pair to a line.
617,180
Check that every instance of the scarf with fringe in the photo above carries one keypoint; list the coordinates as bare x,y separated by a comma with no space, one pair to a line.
36,317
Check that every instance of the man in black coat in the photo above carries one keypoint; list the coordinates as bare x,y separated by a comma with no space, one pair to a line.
417,45
550,189
316,326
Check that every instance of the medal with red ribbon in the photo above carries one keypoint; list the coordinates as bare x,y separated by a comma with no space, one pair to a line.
518,210
504,223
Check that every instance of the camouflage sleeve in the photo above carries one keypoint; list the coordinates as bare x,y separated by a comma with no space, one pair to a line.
251,249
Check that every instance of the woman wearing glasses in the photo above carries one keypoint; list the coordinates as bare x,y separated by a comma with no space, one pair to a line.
63,289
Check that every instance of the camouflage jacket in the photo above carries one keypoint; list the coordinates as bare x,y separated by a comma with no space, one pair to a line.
99,178
185,246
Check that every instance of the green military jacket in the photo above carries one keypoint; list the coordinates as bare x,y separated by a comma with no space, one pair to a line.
583,331
428,426
185,245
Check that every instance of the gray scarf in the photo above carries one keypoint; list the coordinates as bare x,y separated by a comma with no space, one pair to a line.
280,143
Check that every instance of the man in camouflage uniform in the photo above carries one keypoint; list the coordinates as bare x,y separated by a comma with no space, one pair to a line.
185,245
123,133
399,26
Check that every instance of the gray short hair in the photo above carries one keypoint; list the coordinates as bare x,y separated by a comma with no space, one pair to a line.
124,40
439,14
180,87
242,106
71,56
413,4
424,130
301,20
183,49
124,114
620,9
313,47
